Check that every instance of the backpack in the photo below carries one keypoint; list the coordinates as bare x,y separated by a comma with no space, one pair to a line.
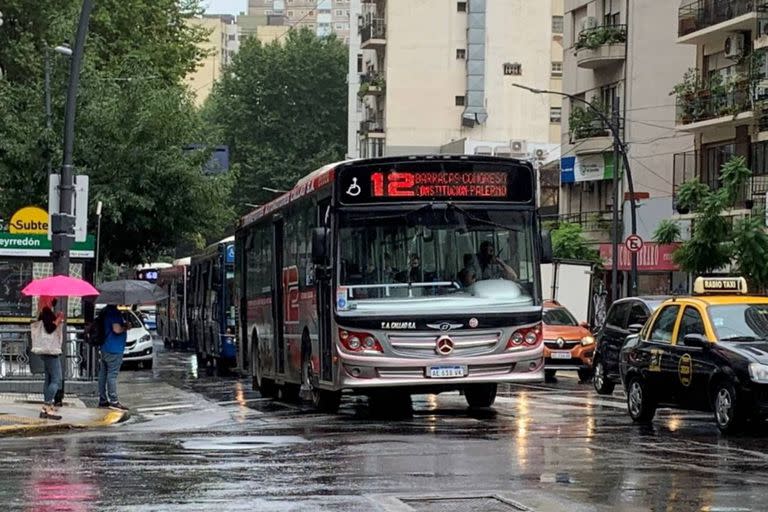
95,334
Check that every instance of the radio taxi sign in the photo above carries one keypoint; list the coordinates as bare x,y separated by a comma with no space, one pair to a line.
633,243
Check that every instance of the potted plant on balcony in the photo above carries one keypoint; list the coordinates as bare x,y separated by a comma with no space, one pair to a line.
687,102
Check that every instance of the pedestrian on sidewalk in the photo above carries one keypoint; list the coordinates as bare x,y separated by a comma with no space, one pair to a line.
51,363
116,329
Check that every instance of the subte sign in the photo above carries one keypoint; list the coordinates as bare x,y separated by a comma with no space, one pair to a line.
633,243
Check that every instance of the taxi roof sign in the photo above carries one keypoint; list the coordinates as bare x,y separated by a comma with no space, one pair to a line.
720,285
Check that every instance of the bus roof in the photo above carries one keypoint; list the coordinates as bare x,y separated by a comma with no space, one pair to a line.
323,177
182,261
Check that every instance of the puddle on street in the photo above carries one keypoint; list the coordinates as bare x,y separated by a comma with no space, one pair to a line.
240,442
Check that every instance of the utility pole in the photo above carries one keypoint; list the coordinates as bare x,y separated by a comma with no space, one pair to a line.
615,236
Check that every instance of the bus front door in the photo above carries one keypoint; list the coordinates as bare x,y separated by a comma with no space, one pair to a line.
277,298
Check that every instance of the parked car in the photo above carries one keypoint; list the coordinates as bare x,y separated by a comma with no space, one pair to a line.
625,317
568,345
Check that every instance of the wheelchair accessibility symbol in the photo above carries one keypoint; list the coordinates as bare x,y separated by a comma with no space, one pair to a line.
354,188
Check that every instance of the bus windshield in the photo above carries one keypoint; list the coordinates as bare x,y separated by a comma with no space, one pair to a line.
449,256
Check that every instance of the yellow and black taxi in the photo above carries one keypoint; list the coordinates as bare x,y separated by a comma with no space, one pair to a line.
705,352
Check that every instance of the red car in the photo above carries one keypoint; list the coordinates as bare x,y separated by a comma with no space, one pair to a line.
568,345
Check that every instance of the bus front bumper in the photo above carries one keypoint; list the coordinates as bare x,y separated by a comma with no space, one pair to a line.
374,371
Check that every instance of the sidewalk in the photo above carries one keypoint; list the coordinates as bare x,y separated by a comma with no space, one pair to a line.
20,415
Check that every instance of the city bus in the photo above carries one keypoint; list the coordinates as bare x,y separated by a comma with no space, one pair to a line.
394,276
172,311
211,305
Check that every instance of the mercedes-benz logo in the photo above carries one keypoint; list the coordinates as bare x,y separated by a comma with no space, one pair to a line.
444,345
560,342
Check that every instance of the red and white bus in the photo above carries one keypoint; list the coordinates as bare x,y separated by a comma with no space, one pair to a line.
394,275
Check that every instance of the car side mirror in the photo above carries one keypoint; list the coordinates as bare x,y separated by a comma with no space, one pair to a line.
546,246
635,328
319,246
695,341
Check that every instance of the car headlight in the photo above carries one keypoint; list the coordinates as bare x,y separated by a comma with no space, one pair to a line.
758,373
587,340
145,338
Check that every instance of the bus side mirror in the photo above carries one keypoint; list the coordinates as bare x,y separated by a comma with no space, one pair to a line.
320,246
546,246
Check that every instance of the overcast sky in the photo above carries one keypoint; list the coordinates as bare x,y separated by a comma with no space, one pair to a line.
225,6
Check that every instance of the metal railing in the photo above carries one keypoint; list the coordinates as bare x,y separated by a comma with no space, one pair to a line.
700,14
18,362
374,28
371,126
710,103
705,167
592,38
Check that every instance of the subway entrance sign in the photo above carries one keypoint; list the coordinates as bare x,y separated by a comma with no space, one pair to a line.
29,245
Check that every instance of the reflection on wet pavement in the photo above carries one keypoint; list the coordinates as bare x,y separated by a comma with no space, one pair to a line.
201,442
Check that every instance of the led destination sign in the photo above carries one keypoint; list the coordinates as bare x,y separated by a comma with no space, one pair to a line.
367,185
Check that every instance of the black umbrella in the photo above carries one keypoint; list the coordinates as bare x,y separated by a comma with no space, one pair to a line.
130,291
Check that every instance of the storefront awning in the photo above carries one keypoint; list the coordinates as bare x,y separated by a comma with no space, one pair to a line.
652,257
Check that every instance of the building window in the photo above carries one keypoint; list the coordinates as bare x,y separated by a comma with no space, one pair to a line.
513,68
557,24
232,37
339,12
290,14
557,69
461,6
608,94
461,53
555,115
359,62
611,14
459,101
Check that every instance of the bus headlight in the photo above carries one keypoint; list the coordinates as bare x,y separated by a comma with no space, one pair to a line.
758,373
359,342
587,340
353,342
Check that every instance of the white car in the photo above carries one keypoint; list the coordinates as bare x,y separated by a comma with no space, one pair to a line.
138,346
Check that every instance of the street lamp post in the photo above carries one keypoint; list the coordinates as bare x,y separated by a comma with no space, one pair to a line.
67,52
614,126
97,277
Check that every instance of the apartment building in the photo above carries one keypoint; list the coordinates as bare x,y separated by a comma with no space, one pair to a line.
625,50
324,17
222,44
439,76
722,101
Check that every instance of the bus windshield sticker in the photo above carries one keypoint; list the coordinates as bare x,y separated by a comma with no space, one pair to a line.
341,298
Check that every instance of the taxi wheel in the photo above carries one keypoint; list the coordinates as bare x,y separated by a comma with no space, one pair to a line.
640,405
601,383
729,414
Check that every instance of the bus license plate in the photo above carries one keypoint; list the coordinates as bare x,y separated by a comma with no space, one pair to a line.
439,372
561,354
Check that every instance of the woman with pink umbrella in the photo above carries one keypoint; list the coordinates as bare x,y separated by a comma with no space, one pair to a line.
47,330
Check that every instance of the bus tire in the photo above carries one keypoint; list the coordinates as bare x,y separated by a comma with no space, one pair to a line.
266,387
322,399
480,395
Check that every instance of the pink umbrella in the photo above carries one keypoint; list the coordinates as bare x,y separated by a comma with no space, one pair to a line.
60,286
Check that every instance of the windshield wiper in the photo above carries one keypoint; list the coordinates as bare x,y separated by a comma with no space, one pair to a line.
740,338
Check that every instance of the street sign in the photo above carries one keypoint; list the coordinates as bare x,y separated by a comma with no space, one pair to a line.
80,202
633,243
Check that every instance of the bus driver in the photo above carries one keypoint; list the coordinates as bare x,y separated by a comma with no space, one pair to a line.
487,265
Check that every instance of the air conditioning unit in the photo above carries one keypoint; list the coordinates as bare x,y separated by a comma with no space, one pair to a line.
519,147
503,151
483,150
540,154
734,46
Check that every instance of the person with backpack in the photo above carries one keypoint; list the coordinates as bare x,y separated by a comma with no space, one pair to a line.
114,332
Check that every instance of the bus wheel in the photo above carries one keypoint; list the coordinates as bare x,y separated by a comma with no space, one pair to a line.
480,395
265,386
322,399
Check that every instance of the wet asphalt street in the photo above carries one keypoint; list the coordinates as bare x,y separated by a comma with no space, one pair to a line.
203,443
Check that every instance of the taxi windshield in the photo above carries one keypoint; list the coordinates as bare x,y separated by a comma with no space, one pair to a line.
740,322
558,316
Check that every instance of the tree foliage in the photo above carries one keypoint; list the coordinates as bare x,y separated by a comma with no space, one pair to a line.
569,243
134,117
282,109
717,240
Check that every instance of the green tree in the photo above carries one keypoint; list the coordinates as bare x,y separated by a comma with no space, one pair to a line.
134,118
569,243
282,109
717,240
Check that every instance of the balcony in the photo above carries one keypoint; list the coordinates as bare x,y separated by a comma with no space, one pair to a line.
371,84
716,106
373,33
705,166
372,128
704,21
601,46
589,133
595,224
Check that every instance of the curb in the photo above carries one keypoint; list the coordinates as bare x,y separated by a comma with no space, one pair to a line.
33,426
